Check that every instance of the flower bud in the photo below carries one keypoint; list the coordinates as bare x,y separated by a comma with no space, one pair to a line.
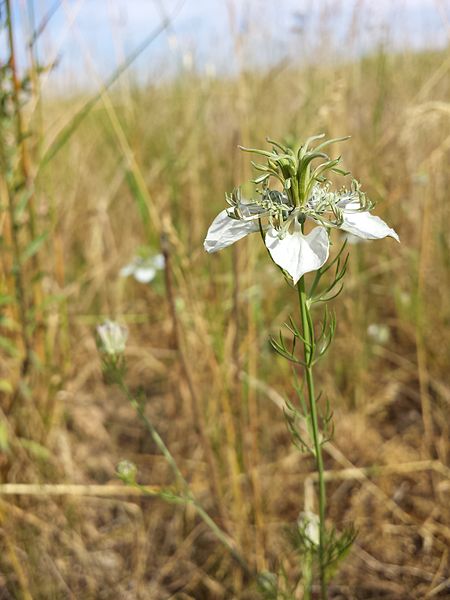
127,471
112,337
379,333
308,523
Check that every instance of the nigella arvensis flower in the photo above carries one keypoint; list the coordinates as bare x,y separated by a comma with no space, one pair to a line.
143,268
281,216
295,222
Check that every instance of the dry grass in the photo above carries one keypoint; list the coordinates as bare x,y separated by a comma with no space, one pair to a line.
214,389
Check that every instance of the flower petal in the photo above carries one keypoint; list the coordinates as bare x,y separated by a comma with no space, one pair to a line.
224,231
297,253
144,274
158,261
365,225
127,270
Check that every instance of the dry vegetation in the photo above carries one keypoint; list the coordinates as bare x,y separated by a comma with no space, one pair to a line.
153,163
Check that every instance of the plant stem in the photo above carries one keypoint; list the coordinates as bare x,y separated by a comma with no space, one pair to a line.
196,407
308,350
187,496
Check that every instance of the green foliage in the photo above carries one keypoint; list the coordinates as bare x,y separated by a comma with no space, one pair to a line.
36,450
4,433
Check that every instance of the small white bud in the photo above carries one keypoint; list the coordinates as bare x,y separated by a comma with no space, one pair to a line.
113,337
308,523
379,333
126,471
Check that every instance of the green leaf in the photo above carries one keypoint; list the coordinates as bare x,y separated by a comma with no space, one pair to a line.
261,178
23,201
140,199
9,347
4,437
8,323
33,247
4,300
35,449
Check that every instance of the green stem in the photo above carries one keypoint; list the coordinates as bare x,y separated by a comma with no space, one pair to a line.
308,350
188,496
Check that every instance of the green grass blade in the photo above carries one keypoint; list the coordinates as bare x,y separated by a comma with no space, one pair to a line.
67,131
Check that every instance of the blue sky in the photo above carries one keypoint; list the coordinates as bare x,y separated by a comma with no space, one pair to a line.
92,36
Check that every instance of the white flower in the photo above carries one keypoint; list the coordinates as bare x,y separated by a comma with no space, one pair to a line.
289,248
308,523
113,337
379,333
143,269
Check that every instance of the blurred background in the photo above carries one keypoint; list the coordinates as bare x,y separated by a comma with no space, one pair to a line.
119,125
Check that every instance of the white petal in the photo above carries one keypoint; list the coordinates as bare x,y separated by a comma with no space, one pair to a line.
366,226
127,270
158,261
353,240
224,231
144,274
112,336
297,253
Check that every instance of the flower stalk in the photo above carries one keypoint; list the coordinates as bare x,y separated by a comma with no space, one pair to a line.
186,494
308,356
111,343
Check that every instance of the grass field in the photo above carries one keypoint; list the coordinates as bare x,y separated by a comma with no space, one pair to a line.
148,166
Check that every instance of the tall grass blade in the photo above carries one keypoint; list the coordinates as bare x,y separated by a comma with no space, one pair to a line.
66,133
